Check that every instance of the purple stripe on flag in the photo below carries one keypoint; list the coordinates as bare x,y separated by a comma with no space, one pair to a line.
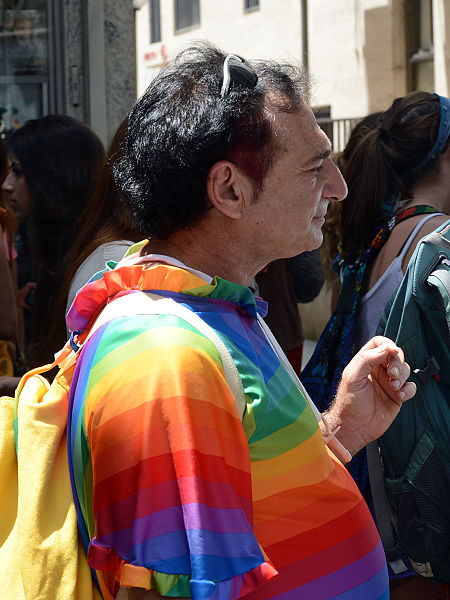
190,516
370,570
159,497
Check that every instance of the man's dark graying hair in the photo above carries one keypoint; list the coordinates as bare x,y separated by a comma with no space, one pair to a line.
181,126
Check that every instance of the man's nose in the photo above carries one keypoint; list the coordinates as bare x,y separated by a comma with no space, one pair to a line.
335,188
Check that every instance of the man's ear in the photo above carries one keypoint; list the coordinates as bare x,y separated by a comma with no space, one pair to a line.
228,188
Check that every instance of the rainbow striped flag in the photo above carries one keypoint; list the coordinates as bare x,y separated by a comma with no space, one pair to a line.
173,491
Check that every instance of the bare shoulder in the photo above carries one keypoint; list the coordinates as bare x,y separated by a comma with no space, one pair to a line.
397,239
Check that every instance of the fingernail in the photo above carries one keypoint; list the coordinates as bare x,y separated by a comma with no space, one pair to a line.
396,384
394,372
402,395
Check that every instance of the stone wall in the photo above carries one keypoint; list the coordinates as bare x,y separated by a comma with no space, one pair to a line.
74,101
99,62
120,61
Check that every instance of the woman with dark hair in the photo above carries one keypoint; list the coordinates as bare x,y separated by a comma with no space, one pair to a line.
55,162
105,229
332,227
398,178
401,170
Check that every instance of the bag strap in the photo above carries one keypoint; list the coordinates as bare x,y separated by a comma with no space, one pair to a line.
60,357
143,303
136,303
381,508
443,276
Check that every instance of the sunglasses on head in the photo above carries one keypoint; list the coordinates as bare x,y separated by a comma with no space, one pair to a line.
236,72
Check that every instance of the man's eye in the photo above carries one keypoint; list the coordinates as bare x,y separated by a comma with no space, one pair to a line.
317,169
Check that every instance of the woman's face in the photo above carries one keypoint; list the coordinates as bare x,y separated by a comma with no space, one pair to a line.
16,189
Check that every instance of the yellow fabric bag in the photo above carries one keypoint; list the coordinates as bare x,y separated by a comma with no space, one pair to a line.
41,555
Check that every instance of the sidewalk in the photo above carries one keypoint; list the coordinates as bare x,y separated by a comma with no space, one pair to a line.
308,349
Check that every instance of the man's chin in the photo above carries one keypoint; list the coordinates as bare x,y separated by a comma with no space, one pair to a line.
313,244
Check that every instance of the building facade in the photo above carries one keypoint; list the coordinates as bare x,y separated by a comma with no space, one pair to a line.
75,57
361,53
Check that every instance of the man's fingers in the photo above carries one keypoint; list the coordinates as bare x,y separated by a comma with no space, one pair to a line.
409,389
383,351
398,389
365,361
380,341
398,374
377,341
396,365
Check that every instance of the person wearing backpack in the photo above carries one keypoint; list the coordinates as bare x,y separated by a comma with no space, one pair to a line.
180,489
398,179
199,465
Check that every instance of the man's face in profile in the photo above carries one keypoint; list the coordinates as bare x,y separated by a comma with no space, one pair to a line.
290,210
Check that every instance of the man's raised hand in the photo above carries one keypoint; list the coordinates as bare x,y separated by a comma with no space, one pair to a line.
372,390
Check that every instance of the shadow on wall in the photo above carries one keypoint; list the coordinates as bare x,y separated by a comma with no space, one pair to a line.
385,55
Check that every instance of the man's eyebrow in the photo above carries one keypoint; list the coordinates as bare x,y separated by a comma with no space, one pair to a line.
322,155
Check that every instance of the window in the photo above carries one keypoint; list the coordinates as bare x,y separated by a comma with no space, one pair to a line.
187,14
419,45
24,62
251,5
155,22
337,130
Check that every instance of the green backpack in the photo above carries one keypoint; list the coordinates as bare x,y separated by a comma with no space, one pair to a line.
415,450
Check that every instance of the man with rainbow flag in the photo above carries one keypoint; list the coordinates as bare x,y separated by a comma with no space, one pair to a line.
182,490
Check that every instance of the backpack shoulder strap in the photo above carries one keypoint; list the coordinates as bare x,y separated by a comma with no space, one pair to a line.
381,508
140,303
443,276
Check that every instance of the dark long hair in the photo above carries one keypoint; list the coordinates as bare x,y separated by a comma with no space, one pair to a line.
359,132
382,168
106,217
332,229
60,158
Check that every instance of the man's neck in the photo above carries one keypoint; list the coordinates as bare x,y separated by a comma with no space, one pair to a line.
214,259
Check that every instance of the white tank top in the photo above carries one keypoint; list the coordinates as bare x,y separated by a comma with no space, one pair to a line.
372,304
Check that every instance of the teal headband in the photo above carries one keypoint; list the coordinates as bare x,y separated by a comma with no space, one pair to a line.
443,134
